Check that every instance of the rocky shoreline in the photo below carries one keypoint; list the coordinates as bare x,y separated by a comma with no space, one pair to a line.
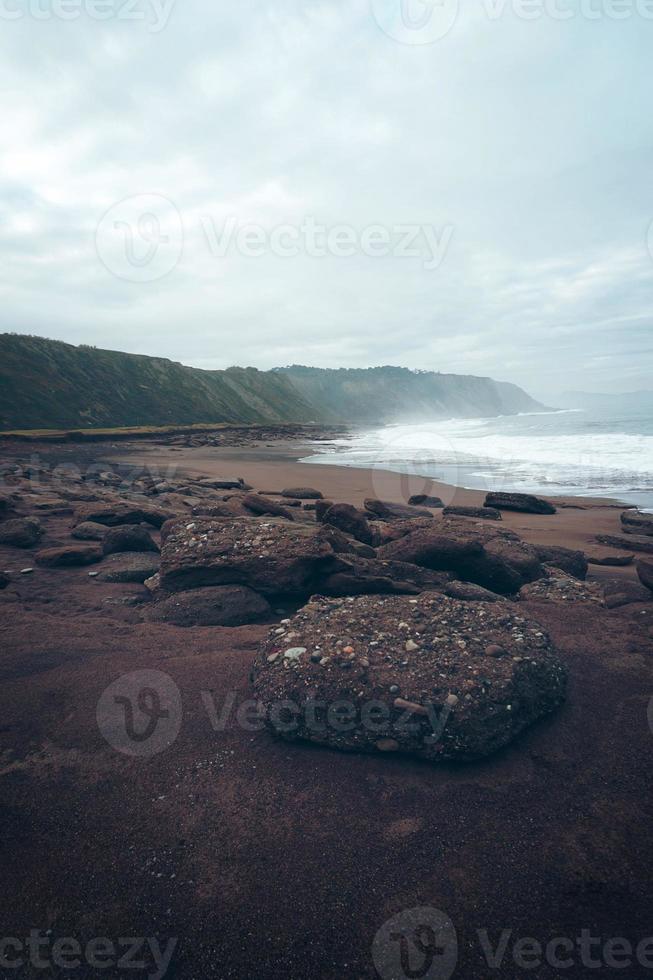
420,628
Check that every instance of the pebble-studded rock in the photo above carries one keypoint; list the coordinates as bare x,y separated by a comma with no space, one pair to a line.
431,676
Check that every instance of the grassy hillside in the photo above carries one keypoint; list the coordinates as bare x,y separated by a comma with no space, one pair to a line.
45,384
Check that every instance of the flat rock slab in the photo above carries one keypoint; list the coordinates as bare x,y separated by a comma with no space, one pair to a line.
432,676
480,513
635,522
218,605
627,542
272,557
645,573
121,512
133,567
524,502
302,493
69,556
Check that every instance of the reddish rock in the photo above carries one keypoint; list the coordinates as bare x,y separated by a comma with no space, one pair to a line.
21,532
350,520
90,531
389,511
524,502
128,537
627,542
258,504
634,522
121,512
645,573
480,513
573,562
302,493
68,556
272,557
394,651
425,500
219,605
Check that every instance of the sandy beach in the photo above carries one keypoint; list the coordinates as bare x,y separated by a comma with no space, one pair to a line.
254,857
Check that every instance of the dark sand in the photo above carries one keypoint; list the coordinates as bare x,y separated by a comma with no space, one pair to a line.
268,860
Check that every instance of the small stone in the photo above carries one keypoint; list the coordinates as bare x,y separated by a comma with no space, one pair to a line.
494,650
294,653
348,650
452,700
387,745
411,646
26,571
394,689
273,657
316,658
324,661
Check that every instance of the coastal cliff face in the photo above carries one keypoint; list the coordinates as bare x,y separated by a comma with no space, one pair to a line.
49,384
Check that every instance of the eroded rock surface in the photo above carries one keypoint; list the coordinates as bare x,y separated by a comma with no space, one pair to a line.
431,676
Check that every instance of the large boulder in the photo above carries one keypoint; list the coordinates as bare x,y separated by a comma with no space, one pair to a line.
350,520
302,493
117,512
573,562
68,556
386,510
645,573
634,522
492,558
431,676
523,502
624,592
21,532
272,557
218,605
480,513
128,537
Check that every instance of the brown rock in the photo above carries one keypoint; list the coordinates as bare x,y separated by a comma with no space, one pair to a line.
351,521
21,532
131,567
302,493
90,531
627,542
465,715
645,573
128,537
258,504
220,605
69,556
573,562
387,510
272,557
634,522
524,502
424,500
480,513
121,512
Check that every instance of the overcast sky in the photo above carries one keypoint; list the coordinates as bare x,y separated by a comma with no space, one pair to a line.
518,152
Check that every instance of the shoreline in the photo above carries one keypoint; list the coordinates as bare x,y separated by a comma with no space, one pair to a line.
272,467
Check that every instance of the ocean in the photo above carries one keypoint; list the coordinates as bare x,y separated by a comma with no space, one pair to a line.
570,452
